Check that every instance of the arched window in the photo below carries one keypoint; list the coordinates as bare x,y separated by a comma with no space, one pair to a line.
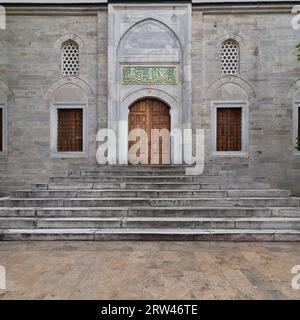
70,59
230,57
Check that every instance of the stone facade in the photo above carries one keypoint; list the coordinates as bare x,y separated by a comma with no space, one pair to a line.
31,81
150,34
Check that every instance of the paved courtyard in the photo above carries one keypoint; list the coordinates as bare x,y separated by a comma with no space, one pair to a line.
149,270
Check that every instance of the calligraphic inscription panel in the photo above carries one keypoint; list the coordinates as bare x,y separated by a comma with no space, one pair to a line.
150,75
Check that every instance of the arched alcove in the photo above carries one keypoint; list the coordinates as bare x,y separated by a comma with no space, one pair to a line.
149,39
66,86
237,86
229,99
229,92
70,92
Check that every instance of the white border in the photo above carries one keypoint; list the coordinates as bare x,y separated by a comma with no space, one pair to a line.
53,130
245,128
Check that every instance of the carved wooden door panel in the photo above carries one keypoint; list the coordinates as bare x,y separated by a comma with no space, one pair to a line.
160,119
151,114
229,129
70,130
139,118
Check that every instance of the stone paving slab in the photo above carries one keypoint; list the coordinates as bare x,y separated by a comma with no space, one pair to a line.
149,270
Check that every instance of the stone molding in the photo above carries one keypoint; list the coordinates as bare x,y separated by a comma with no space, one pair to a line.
294,87
231,36
7,91
68,37
153,93
90,10
242,83
70,80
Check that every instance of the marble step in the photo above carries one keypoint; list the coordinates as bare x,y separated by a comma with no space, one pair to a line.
153,186
119,193
138,172
152,202
152,167
150,223
150,212
211,223
149,168
132,186
164,178
150,193
151,234
147,212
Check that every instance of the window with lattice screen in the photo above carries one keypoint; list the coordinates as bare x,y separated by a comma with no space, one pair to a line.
69,130
70,59
230,57
229,129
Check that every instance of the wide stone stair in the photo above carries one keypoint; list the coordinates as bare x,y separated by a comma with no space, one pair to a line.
151,203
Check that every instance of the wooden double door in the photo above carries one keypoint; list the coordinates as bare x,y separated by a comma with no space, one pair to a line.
149,114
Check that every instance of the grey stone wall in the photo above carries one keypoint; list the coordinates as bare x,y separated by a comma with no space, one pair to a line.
268,72
30,73
30,66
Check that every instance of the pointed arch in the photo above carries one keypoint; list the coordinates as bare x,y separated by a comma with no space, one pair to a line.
72,80
145,21
155,94
242,83
238,39
69,37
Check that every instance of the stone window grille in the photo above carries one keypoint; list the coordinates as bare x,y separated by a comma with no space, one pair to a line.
70,59
230,57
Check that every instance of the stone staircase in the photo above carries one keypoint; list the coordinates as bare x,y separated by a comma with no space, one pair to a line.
151,203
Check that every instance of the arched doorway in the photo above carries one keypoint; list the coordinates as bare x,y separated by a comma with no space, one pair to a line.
148,114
